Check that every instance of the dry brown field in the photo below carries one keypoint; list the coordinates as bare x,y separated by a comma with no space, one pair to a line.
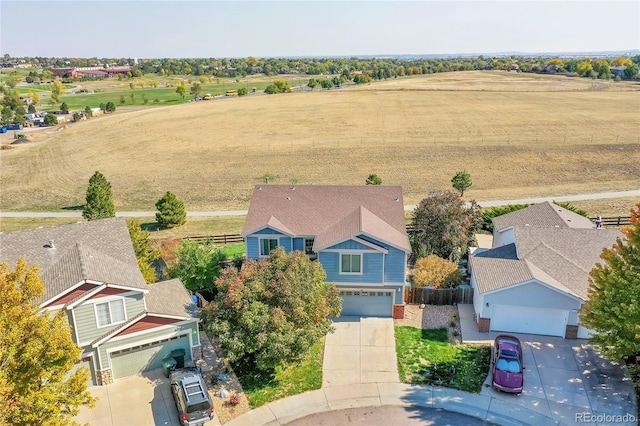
518,135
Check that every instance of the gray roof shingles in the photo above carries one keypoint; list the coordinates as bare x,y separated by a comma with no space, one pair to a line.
99,250
559,255
338,211
170,298
543,215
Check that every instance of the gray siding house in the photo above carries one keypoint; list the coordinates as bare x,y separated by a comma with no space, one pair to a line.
122,325
357,233
535,279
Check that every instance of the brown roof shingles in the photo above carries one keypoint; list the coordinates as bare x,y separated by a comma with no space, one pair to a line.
305,210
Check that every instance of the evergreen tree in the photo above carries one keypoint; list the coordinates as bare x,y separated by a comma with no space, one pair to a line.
99,199
461,182
171,211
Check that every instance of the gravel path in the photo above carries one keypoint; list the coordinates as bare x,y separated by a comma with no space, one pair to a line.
431,316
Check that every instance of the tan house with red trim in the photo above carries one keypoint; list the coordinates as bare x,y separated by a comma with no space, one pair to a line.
90,272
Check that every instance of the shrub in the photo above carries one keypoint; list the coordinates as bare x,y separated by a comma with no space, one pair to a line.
436,272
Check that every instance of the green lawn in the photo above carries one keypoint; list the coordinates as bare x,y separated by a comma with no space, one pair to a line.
425,356
288,380
233,250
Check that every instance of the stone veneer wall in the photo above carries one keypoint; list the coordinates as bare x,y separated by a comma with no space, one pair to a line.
105,377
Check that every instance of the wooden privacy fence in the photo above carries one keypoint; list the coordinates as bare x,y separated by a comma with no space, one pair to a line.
218,239
438,296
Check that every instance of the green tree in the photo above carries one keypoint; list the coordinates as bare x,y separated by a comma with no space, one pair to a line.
631,71
37,354
145,253
196,88
613,306
99,199
122,100
110,107
181,90
88,112
50,120
198,265
171,211
272,311
64,108
373,179
242,91
436,272
443,225
461,182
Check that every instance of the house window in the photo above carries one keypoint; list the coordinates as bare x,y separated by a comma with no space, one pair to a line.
112,312
351,264
266,245
308,246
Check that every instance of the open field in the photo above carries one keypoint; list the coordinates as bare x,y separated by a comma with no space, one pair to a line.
556,137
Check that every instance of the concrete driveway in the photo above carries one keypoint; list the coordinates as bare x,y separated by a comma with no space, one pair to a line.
139,400
361,350
136,400
567,379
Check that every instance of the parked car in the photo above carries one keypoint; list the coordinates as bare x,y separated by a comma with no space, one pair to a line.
507,367
191,397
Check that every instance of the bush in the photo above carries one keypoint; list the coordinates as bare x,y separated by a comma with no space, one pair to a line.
489,214
436,272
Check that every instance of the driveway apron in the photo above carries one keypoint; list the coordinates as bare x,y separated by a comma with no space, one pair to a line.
361,350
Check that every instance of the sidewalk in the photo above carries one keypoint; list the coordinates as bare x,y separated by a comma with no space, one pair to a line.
398,394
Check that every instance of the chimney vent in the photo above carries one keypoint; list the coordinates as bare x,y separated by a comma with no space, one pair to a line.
50,244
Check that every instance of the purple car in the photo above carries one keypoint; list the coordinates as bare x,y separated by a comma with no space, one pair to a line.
507,364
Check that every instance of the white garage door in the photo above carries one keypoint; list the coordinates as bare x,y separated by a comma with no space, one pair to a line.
517,319
367,303
135,360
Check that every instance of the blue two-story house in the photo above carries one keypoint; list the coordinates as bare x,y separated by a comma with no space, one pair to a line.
357,233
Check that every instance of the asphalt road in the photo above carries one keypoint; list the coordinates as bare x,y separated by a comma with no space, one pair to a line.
493,203
388,416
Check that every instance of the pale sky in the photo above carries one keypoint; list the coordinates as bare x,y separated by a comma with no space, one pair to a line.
202,29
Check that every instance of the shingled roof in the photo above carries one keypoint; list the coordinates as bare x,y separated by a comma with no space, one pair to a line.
99,250
559,255
331,213
170,298
543,215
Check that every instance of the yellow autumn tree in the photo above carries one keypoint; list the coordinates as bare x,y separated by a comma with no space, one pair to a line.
436,272
37,354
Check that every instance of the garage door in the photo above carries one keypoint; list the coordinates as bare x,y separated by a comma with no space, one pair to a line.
517,319
367,303
137,359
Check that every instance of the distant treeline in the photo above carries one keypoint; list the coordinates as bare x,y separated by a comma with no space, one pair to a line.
375,68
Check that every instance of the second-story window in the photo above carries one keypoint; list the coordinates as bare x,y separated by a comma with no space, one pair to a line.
350,263
111,312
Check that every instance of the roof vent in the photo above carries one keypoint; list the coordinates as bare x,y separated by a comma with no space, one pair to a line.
397,199
259,188
50,245
526,224
293,188
289,198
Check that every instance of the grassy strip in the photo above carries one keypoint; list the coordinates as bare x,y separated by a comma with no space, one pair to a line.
288,380
233,250
424,356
